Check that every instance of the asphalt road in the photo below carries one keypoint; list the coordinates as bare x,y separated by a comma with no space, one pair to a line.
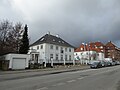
90,79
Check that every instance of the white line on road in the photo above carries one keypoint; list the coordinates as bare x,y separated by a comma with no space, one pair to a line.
59,84
43,88
71,81
80,78
54,85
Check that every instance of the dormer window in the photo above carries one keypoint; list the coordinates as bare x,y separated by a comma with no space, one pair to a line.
42,39
53,40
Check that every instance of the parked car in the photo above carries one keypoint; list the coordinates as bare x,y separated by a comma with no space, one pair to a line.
105,63
113,63
102,63
96,64
109,63
117,62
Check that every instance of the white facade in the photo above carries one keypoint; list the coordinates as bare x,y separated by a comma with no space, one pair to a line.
50,53
100,56
17,61
85,57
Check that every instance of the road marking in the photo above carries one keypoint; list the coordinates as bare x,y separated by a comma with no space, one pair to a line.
43,88
59,84
54,85
71,81
80,78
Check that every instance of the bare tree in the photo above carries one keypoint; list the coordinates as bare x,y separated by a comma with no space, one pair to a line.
10,37
15,37
5,28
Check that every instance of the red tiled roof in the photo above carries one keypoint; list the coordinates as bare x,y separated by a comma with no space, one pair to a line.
77,50
90,47
99,44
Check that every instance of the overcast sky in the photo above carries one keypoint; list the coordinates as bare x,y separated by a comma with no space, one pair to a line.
76,21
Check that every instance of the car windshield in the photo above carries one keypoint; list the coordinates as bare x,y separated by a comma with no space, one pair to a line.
95,63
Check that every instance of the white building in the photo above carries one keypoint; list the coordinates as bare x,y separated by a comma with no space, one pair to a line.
87,53
85,57
15,61
51,50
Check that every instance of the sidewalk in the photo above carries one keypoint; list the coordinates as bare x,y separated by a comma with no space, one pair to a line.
55,69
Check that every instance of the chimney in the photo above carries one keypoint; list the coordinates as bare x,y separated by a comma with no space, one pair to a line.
48,32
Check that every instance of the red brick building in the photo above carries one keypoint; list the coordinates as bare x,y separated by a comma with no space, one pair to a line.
112,51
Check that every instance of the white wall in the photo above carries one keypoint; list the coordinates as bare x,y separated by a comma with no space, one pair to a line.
101,56
11,56
85,56
44,54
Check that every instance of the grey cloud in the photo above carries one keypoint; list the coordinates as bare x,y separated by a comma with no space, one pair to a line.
77,21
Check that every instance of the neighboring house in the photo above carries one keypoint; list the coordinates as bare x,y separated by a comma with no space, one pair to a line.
88,52
112,51
51,50
14,61
98,46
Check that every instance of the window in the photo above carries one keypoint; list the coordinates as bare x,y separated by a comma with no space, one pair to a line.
56,56
81,48
62,50
102,50
53,40
37,47
69,57
61,57
51,56
66,57
41,46
36,58
31,48
56,47
86,53
69,49
33,57
81,53
51,46
108,50
65,49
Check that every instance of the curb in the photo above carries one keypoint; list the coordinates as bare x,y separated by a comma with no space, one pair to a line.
42,70
42,74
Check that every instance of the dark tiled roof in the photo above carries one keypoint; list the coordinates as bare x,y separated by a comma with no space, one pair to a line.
51,40
110,44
